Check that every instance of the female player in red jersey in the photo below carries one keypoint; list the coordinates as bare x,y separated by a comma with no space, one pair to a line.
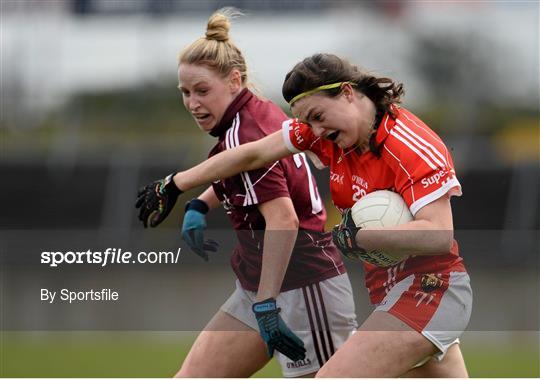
350,120
284,258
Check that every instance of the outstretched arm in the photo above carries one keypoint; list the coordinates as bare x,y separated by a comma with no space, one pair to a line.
157,199
246,157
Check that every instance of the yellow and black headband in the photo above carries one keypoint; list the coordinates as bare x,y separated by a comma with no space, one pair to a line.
317,89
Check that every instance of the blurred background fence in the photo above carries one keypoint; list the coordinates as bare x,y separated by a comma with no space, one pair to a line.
90,111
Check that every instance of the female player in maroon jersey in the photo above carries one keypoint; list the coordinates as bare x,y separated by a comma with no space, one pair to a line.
283,258
350,120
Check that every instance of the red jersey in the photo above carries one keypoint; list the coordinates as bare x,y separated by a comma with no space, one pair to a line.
314,258
413,161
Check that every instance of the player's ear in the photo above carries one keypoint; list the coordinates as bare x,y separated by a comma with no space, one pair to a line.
235,80
347,91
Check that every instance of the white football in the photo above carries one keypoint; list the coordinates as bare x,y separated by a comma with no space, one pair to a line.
381,208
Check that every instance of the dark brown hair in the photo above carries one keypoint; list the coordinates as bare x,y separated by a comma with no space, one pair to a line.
322,69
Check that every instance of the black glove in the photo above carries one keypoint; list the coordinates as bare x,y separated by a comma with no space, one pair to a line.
156,200
275,332
344,237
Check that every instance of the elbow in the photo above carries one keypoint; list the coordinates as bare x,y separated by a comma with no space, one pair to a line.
450,244
296,223
279,214
445,248
445,241
292,222
288,222
283,225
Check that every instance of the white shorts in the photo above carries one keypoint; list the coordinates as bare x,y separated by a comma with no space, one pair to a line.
321,314
436,305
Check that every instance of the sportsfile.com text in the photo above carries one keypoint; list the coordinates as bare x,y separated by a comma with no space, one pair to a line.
109,256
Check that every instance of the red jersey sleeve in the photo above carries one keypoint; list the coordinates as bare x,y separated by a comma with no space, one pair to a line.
298,137
422,164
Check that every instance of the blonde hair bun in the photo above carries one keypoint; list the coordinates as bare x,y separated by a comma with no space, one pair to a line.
216,50
218,27
219,24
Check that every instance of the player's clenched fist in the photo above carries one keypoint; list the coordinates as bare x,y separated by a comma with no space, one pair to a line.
344,236
156,201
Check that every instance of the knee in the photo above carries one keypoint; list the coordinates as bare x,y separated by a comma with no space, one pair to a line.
320,374
187,370
324,372
183,373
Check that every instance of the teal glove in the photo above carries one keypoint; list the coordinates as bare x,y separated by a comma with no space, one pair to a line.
275,332
194,226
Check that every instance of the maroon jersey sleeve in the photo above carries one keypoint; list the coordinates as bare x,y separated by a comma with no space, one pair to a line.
260,185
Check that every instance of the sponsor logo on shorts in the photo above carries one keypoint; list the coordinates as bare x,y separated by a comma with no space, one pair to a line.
431,281
428,283
299,363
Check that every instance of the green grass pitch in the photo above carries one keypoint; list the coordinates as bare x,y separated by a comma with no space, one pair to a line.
159,354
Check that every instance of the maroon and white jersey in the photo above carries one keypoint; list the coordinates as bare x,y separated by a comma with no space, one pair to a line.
314,257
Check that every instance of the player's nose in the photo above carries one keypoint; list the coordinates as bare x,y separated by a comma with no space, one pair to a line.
192,104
